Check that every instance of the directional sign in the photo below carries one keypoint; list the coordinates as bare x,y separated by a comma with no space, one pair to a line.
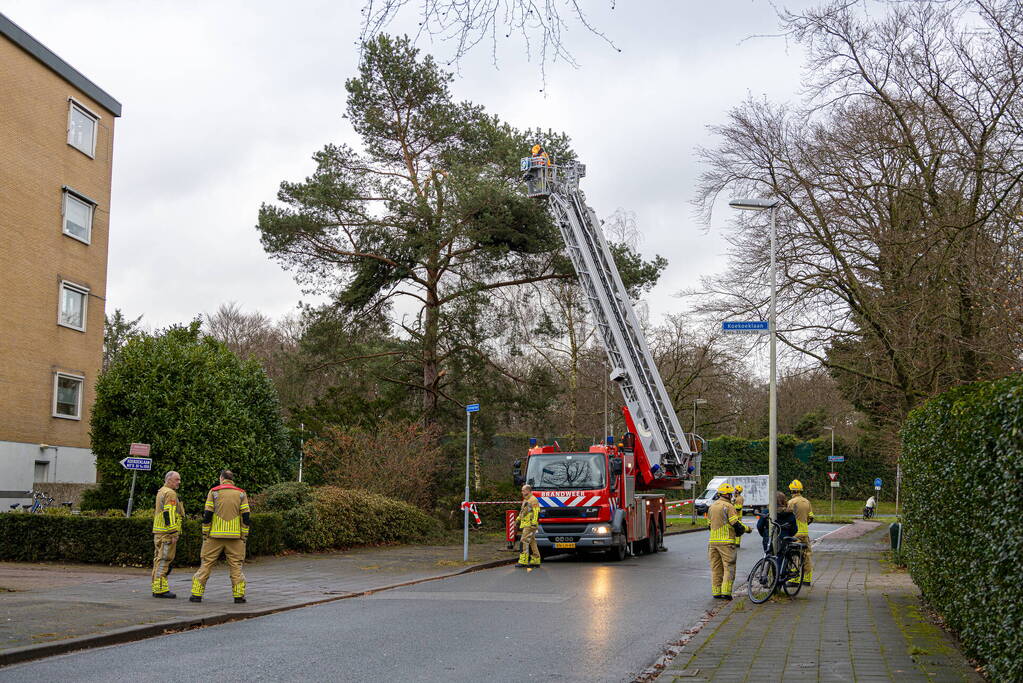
833,476
472,408
834,484
140,449
877,483
836,458
140,464
745,327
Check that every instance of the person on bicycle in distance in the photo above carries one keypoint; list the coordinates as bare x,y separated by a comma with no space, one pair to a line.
786,519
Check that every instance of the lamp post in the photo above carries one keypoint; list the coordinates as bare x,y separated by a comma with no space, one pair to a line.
696,484
832,460
772,458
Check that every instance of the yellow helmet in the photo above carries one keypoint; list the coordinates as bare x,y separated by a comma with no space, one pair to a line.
725,489
537,149
796,485
738,488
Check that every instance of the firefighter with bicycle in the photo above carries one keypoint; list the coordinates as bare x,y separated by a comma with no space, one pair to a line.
803,510
725,525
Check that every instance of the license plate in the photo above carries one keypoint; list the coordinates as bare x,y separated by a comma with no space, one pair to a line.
564,546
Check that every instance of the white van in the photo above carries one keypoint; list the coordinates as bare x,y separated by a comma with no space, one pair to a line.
755,492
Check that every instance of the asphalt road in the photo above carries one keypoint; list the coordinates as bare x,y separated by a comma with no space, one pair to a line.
571,620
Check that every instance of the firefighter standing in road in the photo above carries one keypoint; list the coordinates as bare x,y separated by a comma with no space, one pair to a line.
725,525
738,500
803,511
529,522
166,530
225,528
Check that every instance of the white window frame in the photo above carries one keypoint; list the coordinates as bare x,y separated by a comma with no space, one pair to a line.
81,394
74,104
81,289
68,193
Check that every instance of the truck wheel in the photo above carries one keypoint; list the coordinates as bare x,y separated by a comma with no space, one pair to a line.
650,545
619,552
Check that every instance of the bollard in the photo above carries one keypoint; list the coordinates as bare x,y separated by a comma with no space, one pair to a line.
895,534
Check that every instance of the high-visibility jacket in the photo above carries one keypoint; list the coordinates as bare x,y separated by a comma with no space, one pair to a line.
529,513
227,512
168,513
722,518
803,511
737,503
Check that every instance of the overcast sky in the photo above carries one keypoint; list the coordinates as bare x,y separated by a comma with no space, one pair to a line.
224,99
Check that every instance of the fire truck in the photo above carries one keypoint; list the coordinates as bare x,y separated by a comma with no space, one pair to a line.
600,500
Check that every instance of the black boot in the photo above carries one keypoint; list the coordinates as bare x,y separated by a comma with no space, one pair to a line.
238,601
195,598
168,594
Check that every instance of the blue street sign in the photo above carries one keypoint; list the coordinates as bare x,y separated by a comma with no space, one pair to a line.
140,464
472,408
877,483
836,458
745,327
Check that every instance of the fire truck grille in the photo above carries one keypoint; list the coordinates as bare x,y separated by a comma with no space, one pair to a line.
569,512
563,528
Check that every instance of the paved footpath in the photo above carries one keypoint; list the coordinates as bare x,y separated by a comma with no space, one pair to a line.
861,621
48,608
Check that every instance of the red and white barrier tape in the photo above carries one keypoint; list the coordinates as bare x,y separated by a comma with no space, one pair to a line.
679,503
471,507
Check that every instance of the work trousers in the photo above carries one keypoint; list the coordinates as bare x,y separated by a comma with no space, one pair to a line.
529,547
722,567
166,546
807,558
234,550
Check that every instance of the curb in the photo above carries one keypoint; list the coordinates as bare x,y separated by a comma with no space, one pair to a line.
141,632
685,531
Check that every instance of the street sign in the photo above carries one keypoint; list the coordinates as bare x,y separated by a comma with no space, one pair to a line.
140,449
834,484
877,483
833,476
472,408
877,488
745,327
138,464
836,458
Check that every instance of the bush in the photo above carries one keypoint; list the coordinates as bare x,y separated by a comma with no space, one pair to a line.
200,407
963,466
284,496
333,518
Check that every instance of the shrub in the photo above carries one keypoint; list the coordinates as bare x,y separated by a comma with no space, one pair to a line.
284,496
963,466
347,518
200,407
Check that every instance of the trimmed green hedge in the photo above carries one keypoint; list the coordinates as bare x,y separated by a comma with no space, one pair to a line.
962,463
732,456
335,518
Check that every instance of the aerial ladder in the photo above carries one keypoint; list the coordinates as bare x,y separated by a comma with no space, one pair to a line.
665,456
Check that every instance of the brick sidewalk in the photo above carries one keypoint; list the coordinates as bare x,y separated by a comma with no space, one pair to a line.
861,621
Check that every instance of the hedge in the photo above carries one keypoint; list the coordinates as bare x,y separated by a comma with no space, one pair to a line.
335,518
729,455
962,464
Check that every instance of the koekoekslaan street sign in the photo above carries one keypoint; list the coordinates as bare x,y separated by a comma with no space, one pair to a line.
140,464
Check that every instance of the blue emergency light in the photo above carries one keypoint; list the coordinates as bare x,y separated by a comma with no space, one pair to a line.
532,441
610,440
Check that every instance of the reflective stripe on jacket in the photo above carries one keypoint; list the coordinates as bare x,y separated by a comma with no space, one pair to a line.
167,502
803,511
228,505
529,513
721,516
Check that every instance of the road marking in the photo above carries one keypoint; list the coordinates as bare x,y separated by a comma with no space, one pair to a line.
470,595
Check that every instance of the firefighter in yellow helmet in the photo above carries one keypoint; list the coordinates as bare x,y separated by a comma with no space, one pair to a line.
540,155
166,531
801,508
725,525
738,500
529,522
225,528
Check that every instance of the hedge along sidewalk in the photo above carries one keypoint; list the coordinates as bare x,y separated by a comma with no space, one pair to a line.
859,622
57,608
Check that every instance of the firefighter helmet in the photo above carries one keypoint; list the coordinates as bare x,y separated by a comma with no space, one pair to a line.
726,489
796,485
738,488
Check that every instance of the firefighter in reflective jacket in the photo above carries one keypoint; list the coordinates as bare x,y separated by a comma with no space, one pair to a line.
738,500
166,530
803,511
529,522
725,525
225,528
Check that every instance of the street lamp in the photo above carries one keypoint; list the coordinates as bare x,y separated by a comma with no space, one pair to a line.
772,458
832,460
696,483
697,402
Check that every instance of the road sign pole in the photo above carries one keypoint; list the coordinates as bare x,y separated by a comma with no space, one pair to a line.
832,503
465,519
131,496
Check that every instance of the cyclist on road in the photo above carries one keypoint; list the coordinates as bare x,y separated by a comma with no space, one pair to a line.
725,524
801,508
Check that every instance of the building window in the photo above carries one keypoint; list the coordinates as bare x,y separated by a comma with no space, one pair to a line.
67,396
81,128
77,216
74,301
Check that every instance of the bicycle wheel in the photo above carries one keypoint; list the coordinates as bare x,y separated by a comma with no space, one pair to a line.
762,580
793,573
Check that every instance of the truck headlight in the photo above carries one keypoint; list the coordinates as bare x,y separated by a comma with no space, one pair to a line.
602,530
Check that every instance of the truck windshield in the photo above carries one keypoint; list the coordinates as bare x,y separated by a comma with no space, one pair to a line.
566,471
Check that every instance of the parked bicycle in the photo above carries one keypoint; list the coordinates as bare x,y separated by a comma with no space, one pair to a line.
783,571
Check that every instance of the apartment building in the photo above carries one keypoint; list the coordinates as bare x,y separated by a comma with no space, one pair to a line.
56,146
